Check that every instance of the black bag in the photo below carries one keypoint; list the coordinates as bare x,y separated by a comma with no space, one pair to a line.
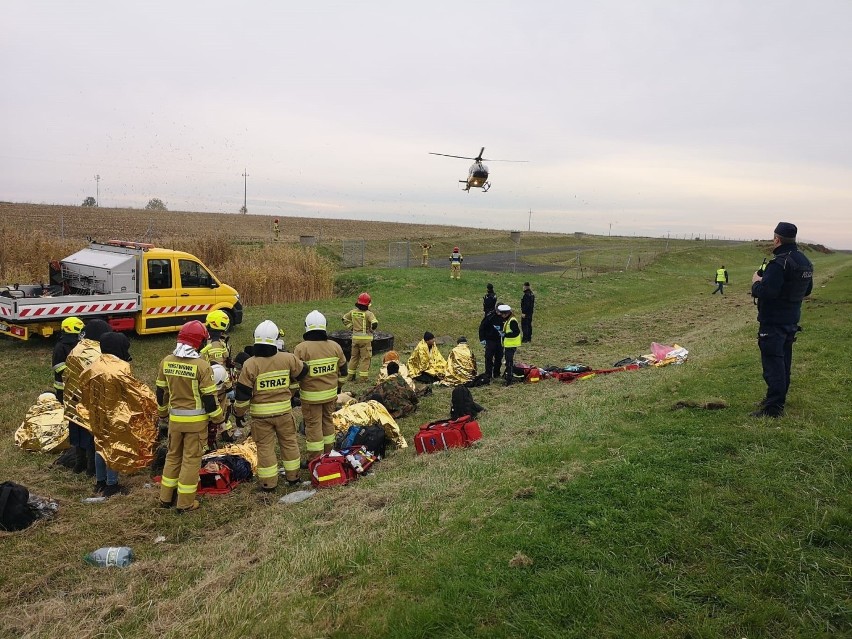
15,513
462,404
373,439
67,458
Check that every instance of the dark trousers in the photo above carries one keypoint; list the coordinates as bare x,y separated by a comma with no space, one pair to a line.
509,356
526,328
493,358
720,288
776,356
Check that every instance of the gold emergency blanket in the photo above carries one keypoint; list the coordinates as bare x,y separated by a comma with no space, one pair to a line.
461,366
365,414
427,360
84,353
247,450
44,428
121,412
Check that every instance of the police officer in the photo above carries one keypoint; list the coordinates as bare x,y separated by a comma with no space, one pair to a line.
527,310
362,322
490,338
186,396
779,292
326,366
263,390
489,300
511,333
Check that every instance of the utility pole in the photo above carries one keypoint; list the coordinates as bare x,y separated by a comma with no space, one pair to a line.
245,192
529,222
97,190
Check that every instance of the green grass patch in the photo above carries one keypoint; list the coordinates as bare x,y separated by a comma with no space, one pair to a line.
591,509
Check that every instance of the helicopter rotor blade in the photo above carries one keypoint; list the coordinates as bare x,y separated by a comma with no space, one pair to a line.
478,158
446,155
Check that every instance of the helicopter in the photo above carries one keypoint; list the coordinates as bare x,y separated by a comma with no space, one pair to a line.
477,176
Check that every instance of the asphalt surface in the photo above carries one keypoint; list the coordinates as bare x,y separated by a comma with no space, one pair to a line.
508,262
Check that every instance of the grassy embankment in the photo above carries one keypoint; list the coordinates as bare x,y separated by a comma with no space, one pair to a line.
591,509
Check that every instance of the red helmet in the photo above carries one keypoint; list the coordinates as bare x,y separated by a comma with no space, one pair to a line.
455,249
365,299
193,334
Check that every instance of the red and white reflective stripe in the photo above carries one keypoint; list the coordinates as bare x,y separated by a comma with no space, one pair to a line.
53,310
5,311
162,310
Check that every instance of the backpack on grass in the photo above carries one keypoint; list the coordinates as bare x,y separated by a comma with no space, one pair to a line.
15,512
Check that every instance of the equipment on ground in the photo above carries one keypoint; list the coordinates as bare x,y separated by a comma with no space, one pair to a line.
477,176
443,434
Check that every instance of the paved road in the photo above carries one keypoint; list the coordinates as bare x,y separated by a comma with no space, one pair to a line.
506,262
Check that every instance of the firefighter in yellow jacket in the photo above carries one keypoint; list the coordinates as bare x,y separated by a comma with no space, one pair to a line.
218,351
263,390
326,365
363,324
186,395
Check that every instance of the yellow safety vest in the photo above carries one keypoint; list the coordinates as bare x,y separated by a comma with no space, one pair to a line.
720,275
511,342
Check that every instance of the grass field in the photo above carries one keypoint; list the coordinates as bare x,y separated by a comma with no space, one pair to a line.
591,509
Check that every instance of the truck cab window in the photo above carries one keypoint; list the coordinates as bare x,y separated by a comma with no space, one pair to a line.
159,274
193,275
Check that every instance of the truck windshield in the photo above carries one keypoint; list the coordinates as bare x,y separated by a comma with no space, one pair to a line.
193,275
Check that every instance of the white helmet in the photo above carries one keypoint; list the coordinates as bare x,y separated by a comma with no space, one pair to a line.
266,333
219,375
315,321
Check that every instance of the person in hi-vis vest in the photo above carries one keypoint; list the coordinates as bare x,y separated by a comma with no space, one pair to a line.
721,280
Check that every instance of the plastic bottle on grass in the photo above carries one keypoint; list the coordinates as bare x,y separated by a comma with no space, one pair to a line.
120,556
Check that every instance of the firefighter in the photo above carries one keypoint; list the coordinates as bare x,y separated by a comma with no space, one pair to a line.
326,366
186,396
276,229
218,351
363,324
511,334
221,380
456,260
263,390
71,328
425,260
82,355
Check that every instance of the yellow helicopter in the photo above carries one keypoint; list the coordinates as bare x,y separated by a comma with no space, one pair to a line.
477,175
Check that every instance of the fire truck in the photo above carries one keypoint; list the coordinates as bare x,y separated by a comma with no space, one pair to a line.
134,286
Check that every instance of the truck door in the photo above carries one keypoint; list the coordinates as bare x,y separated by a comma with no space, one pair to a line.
196,295
159,300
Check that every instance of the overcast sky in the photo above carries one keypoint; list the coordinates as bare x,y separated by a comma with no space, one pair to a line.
714,117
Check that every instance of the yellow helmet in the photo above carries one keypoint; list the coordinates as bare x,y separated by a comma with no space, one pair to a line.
218,320
73,325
